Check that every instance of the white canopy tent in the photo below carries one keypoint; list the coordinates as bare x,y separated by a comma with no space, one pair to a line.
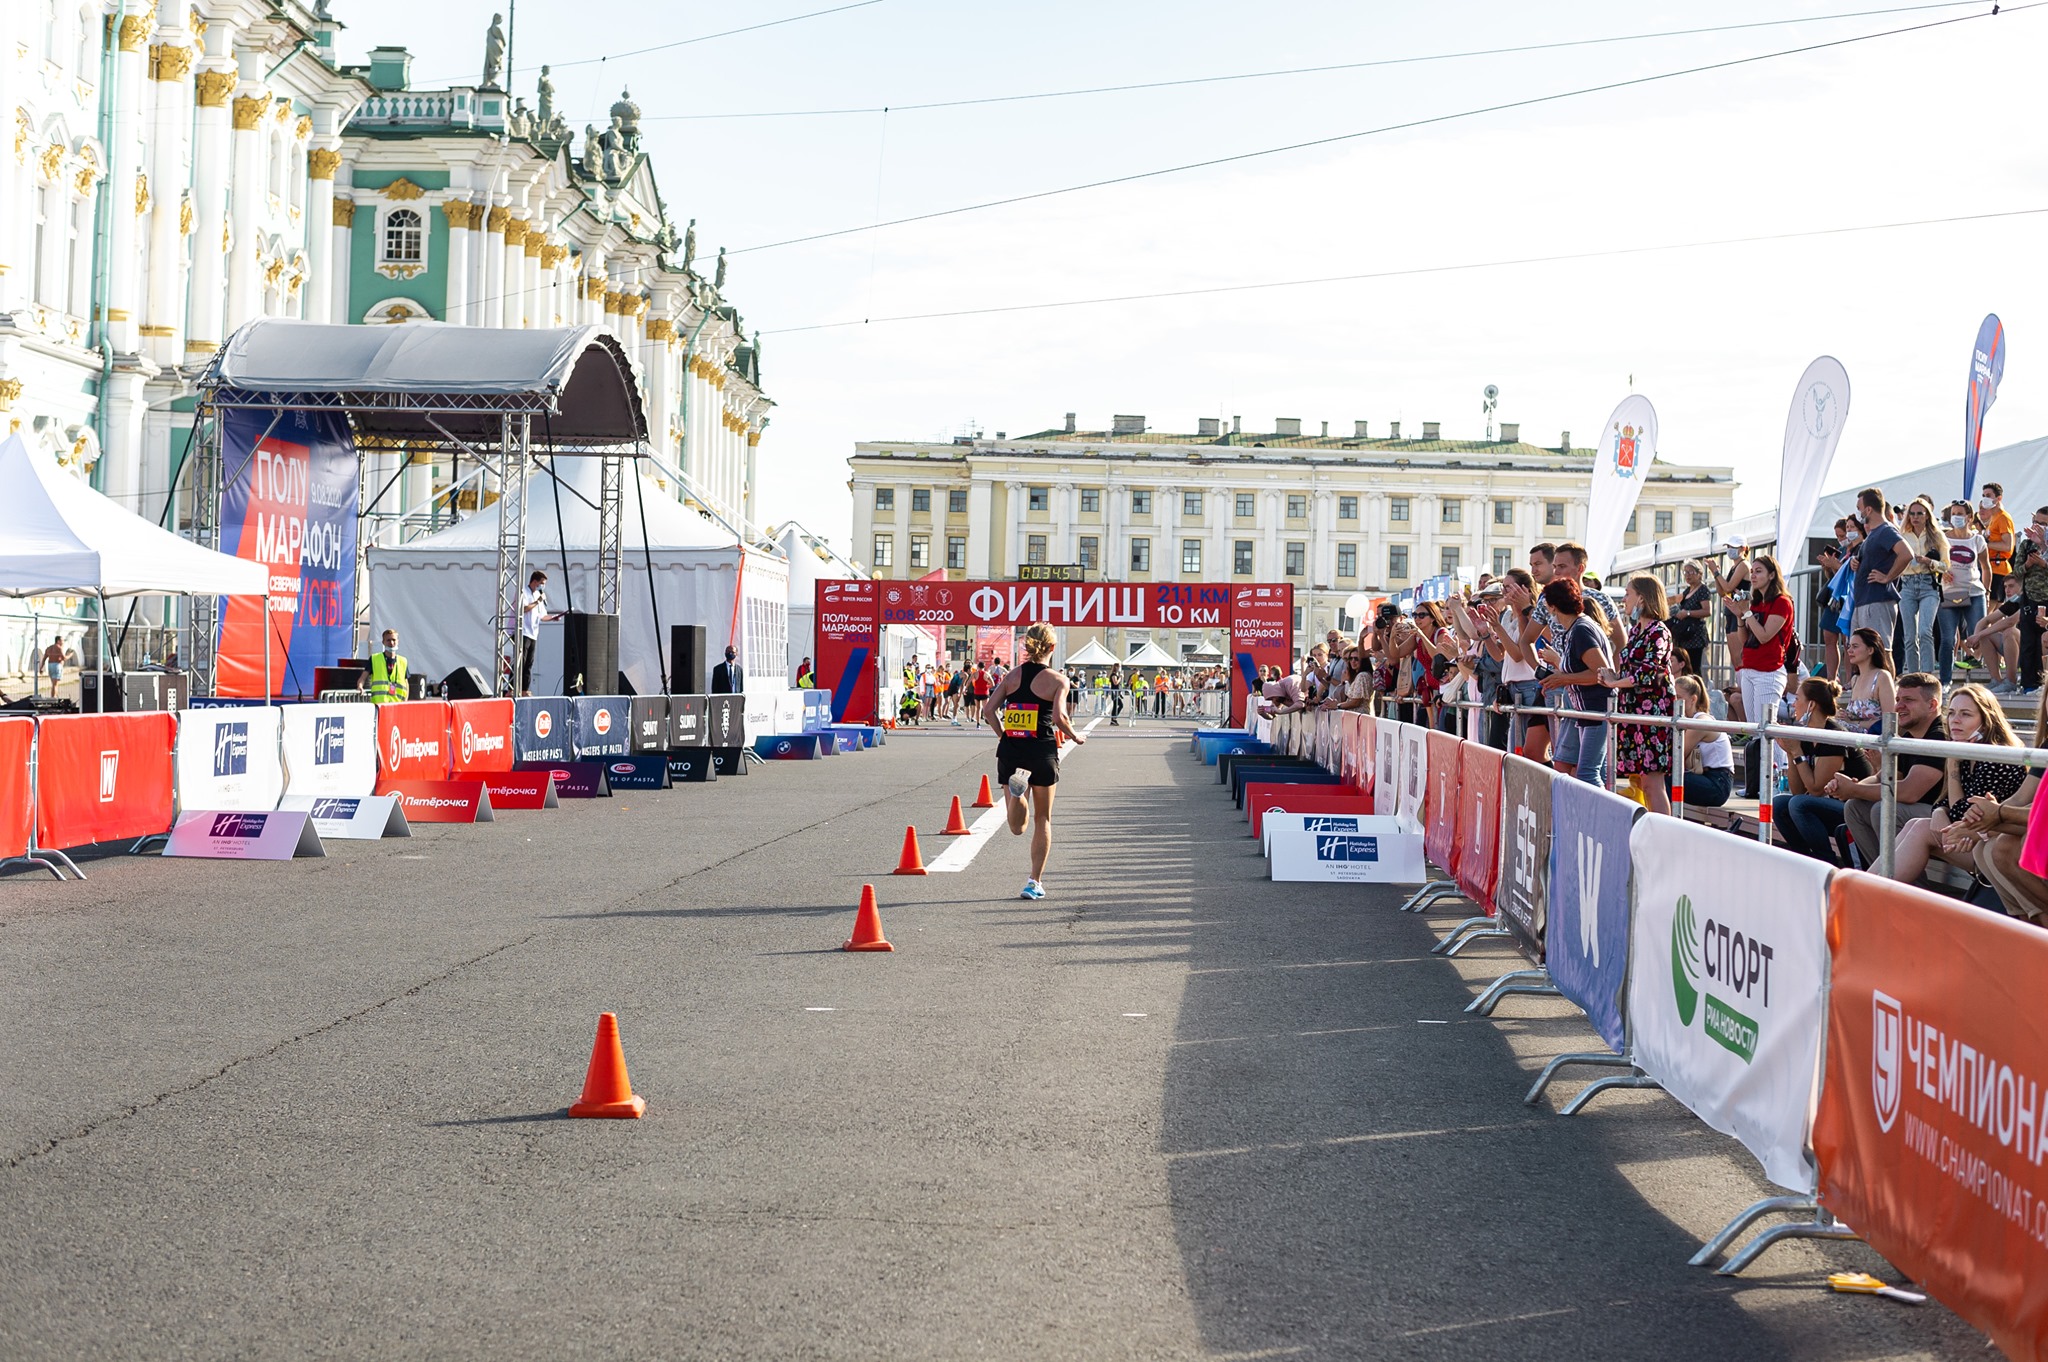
439,591
1091,654
1206,652
1152,655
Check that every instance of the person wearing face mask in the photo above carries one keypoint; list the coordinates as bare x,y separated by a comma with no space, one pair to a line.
728,677
2000,538
1962,589
388,681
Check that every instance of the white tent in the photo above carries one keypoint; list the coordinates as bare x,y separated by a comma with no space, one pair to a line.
808,566
59,536
1206,652
438,591
1152,655
1092,654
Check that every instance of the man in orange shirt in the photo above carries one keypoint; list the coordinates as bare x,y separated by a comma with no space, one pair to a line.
1998,538
1159,694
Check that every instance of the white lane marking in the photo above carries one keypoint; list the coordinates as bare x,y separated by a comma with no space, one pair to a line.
963,850
821,1009
1134,1014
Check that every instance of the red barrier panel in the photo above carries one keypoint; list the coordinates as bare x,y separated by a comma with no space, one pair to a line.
440,801
1440,803
1479,806
103,776
480,737
412,741
1262,797
1932,1133
17,810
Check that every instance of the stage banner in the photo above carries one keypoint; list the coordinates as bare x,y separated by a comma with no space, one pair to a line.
330,751
1932,1132
17,808
230,759
1820,408
541,729
1386,772
649,722
1628,446
1588,902
1727,996
100,777
1479,820
726,721
1440,802
288,496
602,725
1261,620
1987,366
1522,894
687,716
848,648
480,736
412,742
1414,776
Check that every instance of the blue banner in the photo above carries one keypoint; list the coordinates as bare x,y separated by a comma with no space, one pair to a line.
1586,934
817,710
602,725
1987,366
289,492
541,729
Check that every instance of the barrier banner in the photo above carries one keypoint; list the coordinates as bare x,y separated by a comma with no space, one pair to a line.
247,835
330,750
690,765
601,726
577,779
1932,1132
848,646
1523,892
817,710
541,730
480,737
353,818
103,776
1729,988
726,721
1440,802
648,723
687,720
1479,818
1386,774
795,747
412,741
638,772
1414,776
441,801
17,809
1591,857
1264,797
230,759
787,712
757,711
521,790
1379,853
729,761
1242,776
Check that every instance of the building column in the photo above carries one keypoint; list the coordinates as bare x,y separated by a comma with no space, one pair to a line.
1016,512
981,528
1217,569
1272,566
1429,516
1373,506
127,189
170,65
341,233
489,309
322,161
248,175
1322,550
459,213
532,298
1166,512
1478,521
1531,511
15,227
1059,546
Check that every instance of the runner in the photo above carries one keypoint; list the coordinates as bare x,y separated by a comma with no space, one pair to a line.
1028,711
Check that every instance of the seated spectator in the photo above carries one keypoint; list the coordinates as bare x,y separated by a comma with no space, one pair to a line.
1709,757
1918,702
2002,827
1806,819
1973,717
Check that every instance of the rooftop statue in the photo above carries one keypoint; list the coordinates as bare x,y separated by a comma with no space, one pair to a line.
689,245
547,100
718,280
494,52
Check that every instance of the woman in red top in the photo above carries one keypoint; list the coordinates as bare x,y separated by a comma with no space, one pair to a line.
1765,632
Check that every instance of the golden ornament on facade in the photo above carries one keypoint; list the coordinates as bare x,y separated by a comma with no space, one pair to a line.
661,329
303,128
86,176
457,213
272,271
611,301
170,63
51,161
141,193
535,244
321,163
249,111
496,219
185,217
282,111
402,188
157,332
10,392
24,133
344,212
134,32
213,87
552,256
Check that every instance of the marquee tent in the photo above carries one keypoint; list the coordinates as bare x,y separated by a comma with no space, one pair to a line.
438,591
1152,655
1091,654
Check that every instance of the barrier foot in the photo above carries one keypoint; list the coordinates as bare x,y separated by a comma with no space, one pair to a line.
1470,924
1822,1226
1435,889
43,861
1533,990
1598,1086
142,843
1733,1230
1477,936
1600,1058
1508,983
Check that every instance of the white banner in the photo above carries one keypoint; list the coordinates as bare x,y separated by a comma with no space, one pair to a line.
228,759
330,750
1414,776
1820,408
1378,853
1727,991
1628,446
354,818
1386,771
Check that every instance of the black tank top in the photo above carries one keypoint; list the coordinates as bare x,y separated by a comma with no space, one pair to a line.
1025,715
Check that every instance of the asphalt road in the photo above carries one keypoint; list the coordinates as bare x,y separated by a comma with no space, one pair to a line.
315,1110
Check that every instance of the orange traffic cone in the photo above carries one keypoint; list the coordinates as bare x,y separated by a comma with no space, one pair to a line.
867,924
956,824
606,1089
986,799
912,861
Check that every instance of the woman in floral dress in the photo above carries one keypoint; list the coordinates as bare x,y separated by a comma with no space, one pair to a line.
1642,682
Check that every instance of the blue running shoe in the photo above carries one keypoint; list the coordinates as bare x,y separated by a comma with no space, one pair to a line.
1032,890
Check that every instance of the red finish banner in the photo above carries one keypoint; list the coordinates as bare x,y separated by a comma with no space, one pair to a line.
17,809
479,737
1440,803
1479,808
104,776
412,742
1932,1132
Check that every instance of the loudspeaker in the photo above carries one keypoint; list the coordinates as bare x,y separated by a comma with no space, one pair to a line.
590,652
686,661
465,683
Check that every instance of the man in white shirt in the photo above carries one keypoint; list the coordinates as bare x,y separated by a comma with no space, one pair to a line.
533,610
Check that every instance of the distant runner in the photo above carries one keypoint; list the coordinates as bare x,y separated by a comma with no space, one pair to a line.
1028,711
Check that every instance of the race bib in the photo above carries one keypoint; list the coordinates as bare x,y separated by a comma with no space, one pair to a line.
1020,720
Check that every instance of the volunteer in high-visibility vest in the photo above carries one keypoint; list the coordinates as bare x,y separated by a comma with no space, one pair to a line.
387,673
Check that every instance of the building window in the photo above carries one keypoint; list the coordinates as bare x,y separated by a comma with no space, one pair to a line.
1191,557
1297,507
1241,557
1040,499
921,500
1246,506
885,550
1297,619
1700,520
885,498
41,290
1453,512
1091,501
956,503
1090,547
1141,503
1631,529
1034,548
1450,559
1503,512
1397,508
920,551
956,552
404,233
1347,560
1397,562
1347,508
1663,522
1141,555
1553,514
1297,557
1503,559
1191,505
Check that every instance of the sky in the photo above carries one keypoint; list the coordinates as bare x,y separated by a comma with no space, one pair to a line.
1932,124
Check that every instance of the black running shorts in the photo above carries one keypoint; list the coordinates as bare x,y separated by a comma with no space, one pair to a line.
1041,759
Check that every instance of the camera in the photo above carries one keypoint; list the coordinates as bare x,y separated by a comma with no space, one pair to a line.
1387,614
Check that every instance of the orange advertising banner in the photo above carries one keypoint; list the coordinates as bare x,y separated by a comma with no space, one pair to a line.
1932,1133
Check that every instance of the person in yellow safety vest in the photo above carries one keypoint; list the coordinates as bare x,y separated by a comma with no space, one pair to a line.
1137,694
387,673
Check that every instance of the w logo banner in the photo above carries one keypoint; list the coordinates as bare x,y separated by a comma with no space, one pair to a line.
110,771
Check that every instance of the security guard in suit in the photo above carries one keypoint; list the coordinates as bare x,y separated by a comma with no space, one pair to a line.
387,673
